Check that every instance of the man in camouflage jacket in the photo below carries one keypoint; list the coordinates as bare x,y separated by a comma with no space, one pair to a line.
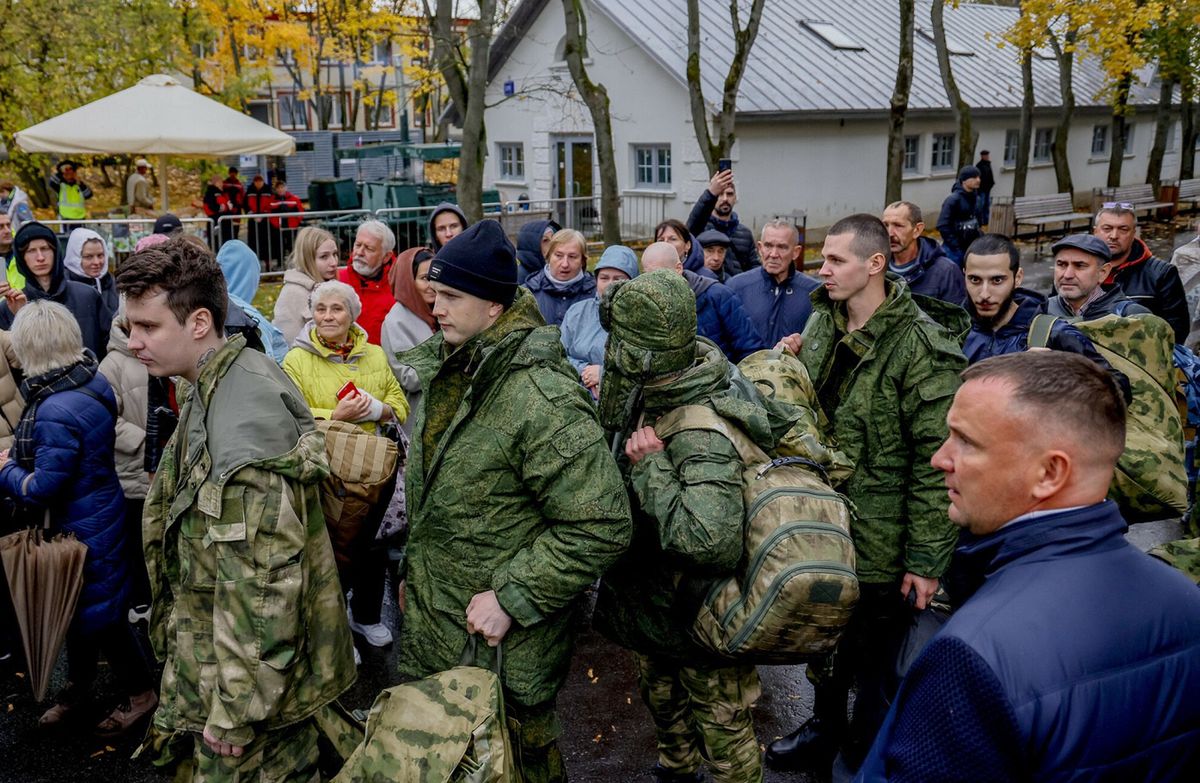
886,373
688,510
515,504
248,613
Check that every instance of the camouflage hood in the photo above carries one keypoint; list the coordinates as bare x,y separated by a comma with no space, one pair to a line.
651,325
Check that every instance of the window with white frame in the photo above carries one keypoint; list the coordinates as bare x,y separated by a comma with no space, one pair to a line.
912,154
330,105
1012,143
942,152
1043,145
1129,128
1099,140
293,111
512,161
652,166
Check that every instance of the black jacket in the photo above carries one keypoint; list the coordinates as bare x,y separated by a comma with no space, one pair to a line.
1113,302
959,222
1154,284
743,252
84,301
987,180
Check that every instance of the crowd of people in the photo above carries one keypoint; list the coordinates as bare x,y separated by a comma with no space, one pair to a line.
178,431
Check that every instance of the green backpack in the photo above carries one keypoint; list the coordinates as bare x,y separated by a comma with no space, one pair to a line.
1150,481
795,586
447,727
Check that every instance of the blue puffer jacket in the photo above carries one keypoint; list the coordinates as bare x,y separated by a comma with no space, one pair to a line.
1078,658
75,475
721,318
935,275
775,309
583,337
554,301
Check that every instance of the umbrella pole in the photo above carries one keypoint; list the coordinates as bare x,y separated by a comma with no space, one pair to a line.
162,180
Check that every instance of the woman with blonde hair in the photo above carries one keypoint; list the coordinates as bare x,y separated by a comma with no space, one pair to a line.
564,280
314,260
61,464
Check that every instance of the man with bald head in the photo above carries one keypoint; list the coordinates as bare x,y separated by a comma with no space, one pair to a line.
719,313
1074,648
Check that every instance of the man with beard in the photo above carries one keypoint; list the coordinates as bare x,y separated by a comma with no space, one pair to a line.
1001,311
919,259
368,274
714,209
1145,278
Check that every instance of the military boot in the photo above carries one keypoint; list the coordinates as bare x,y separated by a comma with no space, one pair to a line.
814,745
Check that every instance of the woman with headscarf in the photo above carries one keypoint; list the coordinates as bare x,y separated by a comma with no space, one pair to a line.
314,260
86,261
410,322
61,464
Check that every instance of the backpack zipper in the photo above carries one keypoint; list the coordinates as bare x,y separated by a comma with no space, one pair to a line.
776,586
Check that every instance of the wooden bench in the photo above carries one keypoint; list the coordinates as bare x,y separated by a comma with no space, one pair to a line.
1043,211
1189,193
1141,198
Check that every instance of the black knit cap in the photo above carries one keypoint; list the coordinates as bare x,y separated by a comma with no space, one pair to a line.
480,261
31,231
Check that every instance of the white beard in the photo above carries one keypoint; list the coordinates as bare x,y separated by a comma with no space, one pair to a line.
361,266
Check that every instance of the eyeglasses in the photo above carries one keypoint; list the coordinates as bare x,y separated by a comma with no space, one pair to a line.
1117,205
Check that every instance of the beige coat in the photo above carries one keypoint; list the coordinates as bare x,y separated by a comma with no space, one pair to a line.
130,382
291,308
11,403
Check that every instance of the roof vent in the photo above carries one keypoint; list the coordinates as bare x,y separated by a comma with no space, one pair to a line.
832,35
953,45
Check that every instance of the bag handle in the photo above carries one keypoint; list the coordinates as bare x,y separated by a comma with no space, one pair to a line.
470,654
1040,329
704,418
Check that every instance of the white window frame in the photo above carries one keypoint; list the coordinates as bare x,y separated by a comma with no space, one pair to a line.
912,151
1100,130
1012,144
1043,145
510,160
299,110
652,166
936,154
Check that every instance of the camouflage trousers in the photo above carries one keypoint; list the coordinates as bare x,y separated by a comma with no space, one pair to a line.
288,755
534,732
702,715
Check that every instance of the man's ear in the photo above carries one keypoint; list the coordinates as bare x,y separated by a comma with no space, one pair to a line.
200,324
876,264
1018,277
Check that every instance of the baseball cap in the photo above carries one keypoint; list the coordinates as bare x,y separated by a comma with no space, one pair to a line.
167,224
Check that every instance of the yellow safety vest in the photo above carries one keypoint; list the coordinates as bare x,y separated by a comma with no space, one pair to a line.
70,202
13,275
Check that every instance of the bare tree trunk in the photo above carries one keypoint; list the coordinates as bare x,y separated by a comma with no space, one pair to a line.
967,138
466,82
1120,131
1162,123
1065,55
596,97
1187,116
1025,133
714,149
893,189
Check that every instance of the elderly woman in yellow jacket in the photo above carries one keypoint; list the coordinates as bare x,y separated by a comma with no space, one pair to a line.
344,377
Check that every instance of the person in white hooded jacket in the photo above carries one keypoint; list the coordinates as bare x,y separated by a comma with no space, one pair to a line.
86,261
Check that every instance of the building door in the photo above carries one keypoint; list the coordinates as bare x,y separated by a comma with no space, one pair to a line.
577,206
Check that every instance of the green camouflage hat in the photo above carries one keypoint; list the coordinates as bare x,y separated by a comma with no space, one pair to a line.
651,325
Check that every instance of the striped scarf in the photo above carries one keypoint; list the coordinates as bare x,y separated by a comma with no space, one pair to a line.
35,390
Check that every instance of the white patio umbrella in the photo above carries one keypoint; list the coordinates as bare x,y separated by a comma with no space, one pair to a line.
157,116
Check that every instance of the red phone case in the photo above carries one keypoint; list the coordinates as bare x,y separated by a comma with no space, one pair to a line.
347,390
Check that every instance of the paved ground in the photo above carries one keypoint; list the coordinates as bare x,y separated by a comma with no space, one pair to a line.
607,730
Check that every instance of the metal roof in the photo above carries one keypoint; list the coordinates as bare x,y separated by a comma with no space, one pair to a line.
792,68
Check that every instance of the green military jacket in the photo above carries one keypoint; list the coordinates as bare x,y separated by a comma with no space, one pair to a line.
511,488
887,388
688,514
248,612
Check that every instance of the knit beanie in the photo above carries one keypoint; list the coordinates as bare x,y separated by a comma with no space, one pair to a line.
480,261
967,172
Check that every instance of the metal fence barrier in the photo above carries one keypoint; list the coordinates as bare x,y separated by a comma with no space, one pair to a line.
271,234
122,234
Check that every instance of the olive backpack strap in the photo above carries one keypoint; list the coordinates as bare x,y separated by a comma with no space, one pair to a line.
1040,330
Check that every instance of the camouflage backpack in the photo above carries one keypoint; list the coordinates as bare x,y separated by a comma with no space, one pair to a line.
447,727
1150,481
361,468
795,585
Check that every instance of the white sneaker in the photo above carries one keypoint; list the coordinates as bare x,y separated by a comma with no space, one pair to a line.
357,657
139,613
376,634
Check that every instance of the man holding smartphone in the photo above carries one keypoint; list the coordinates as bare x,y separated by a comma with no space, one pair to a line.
714,209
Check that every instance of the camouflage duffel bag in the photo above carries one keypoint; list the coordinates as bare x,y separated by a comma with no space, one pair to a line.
447,727
361,469
795,586
1150,481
